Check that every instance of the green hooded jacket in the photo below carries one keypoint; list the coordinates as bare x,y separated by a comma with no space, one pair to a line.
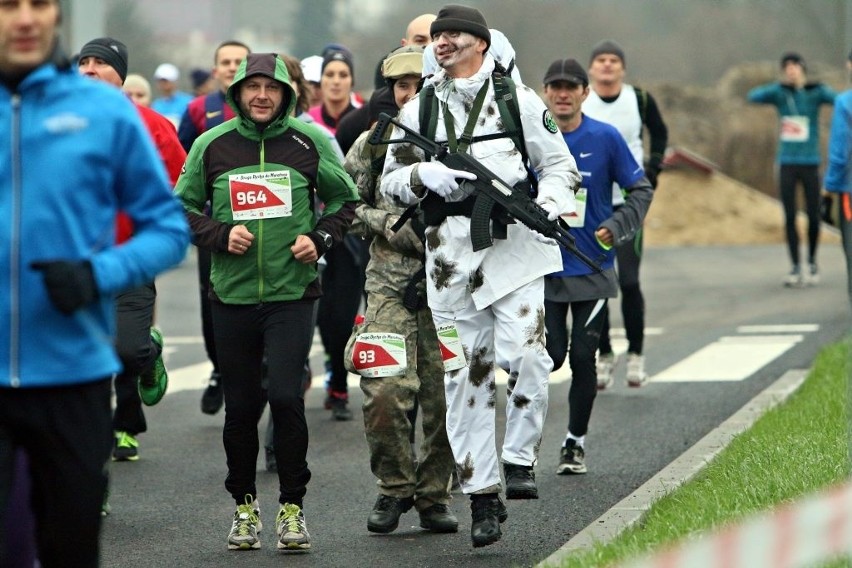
264,177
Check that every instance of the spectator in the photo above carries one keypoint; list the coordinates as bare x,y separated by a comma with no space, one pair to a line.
797,101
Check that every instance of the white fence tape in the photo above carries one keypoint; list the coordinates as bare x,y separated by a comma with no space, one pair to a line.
803,533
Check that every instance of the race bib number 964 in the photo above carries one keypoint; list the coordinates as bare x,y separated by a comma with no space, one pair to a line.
262,195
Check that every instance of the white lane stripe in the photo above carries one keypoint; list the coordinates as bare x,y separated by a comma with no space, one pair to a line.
795,328
728,359
194,377
620,332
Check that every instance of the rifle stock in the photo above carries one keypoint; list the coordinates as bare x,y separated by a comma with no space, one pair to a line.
490,190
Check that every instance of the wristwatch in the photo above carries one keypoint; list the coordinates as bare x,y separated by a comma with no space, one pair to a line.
325,239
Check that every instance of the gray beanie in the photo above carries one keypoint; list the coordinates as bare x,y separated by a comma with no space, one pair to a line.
608,46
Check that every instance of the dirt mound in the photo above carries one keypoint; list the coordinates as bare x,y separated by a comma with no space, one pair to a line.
691,208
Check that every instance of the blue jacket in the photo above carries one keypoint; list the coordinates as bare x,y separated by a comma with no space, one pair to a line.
791,103
73,152
838,175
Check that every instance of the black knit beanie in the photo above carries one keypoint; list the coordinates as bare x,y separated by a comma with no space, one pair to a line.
112,51
457,18
610,47
793,57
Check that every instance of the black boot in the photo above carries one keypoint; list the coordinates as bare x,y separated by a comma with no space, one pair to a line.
485,513
520,481
439,519
384,517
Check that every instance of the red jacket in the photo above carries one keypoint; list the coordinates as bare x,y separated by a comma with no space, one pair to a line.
165,138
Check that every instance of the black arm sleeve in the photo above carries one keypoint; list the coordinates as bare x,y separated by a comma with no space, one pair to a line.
657,130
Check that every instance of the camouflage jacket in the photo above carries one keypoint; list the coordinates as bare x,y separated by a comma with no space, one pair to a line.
395,257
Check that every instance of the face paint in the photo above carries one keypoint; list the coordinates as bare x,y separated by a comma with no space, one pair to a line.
454,48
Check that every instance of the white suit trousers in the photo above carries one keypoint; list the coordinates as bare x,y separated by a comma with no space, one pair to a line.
510,334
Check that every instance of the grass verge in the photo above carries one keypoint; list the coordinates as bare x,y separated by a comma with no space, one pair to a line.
796,448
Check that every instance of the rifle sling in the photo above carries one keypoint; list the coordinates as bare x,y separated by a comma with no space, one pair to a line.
467,135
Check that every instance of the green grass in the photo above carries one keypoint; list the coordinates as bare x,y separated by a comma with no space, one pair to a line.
796,448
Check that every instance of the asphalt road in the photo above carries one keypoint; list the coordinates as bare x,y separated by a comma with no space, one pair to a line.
171,509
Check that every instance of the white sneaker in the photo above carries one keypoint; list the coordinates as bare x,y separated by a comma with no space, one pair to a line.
636,375
604,367
291,528
794,279
243,535
812,276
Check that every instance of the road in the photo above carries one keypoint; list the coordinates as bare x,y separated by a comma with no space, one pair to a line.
721,329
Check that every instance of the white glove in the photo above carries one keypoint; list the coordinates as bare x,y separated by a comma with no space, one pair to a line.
542,239
441,179
550,207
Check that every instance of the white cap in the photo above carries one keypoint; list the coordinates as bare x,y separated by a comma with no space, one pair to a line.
312,68
167,71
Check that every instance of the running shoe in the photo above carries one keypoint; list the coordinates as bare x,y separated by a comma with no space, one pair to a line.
153,383
292,530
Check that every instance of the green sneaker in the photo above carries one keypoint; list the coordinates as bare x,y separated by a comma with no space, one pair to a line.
153,384
243,535
126,448
292,531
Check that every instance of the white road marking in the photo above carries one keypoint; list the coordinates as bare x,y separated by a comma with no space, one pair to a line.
729,359
795,328
194,377
620,332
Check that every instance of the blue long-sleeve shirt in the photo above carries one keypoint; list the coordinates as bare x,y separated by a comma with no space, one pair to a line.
798,113
838,175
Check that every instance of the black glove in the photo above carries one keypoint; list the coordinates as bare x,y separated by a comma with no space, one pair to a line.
651,173
70,285
825,208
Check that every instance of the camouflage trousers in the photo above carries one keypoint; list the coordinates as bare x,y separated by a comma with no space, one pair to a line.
508,334
388,399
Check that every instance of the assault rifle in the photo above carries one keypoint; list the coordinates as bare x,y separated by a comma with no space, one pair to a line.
489,191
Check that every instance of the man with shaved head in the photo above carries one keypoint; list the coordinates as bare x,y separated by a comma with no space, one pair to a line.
417,32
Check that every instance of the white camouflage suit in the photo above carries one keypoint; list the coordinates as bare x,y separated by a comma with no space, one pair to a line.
495,297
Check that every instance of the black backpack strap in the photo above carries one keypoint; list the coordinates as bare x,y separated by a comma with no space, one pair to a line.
506,96
642,101
428,113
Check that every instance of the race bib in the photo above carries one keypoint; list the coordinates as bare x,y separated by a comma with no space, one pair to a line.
795,128
578,217
262,195
379,355
452,352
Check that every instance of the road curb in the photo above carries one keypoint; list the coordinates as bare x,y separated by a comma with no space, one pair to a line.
631,508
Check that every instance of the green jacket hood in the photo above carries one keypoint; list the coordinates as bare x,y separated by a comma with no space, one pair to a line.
268,65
